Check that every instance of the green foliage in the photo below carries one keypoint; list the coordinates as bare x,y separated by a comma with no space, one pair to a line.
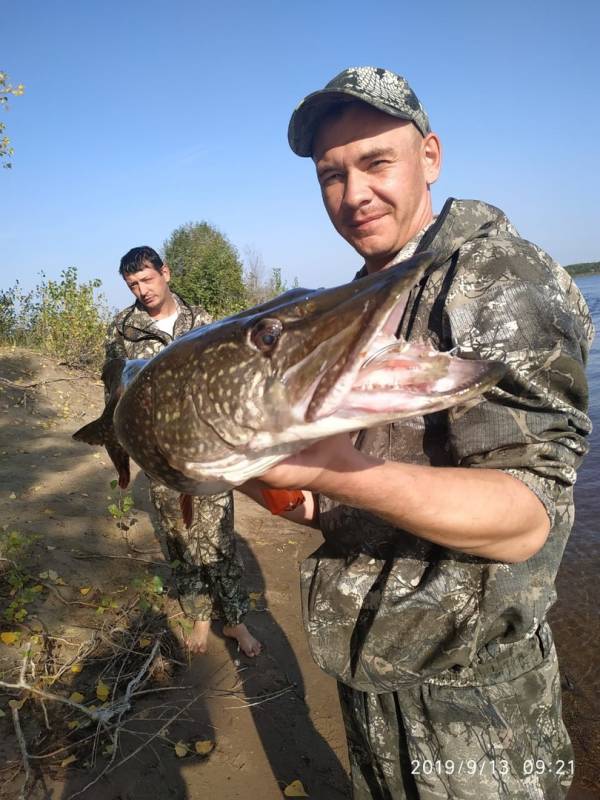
149,588
584,268
18,583
206,268
6,89
64,318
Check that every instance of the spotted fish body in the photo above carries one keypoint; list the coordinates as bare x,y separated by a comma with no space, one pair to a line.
225,402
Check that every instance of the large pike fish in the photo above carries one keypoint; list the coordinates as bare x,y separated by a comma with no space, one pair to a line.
227,401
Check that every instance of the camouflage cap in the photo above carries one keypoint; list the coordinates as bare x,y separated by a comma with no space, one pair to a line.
377,87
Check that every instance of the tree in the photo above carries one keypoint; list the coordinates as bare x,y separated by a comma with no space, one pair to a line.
258,288
206,268
6,89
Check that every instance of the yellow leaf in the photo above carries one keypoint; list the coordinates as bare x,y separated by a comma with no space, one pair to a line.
181,749
37,588
102,691
295,789
203,748
72,725
144,642
68,760
10,637
48,511
76,668
59,582
76,697
85,590
17,704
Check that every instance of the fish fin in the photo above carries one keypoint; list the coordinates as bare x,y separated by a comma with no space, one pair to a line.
279,501
120,459
92,433
186,503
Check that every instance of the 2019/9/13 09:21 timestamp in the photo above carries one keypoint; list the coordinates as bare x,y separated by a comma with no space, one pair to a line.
501,767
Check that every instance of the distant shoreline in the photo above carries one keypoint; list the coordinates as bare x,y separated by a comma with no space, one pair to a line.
585,268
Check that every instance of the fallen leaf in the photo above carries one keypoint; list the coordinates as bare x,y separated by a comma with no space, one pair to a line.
10,637
295,789
76,697
144,642
52,575
76,668
12,496
72,725
37,588
43,574
17,704
96,455
85,590
48,511
255,595
204,747
68,760
59,581
102,691
181,749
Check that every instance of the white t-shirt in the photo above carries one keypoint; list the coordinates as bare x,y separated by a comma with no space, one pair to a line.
167,323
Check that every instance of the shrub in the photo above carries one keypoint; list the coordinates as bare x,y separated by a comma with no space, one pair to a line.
64,318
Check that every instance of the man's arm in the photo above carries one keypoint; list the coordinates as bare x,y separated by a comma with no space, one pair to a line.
483,512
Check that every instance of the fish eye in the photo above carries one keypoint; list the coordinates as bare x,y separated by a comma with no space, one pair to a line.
265,334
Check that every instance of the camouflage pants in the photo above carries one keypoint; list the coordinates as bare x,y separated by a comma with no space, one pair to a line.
505,741
208,570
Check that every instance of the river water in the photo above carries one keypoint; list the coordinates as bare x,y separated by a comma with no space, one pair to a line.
575,618
587,490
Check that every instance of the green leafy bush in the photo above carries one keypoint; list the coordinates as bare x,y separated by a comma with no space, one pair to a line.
65,318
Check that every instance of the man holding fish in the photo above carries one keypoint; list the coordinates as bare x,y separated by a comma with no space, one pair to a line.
443,533
459,354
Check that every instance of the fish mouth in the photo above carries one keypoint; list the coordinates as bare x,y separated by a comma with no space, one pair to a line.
362,369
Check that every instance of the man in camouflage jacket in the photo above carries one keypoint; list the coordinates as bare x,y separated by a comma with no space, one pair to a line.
208,570
443,534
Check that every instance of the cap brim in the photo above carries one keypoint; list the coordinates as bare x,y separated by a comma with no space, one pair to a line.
305,120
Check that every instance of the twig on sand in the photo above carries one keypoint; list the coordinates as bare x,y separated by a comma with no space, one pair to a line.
25,386
111,766
15,705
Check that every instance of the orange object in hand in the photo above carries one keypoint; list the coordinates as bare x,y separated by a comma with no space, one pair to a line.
278,501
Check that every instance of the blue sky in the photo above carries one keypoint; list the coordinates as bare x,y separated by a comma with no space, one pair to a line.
141,116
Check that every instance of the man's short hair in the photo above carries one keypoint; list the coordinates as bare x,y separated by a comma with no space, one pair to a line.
134,260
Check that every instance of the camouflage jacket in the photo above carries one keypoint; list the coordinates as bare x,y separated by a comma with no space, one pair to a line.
384,608
133,334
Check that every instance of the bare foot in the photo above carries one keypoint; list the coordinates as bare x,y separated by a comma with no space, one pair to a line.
196,640
249,645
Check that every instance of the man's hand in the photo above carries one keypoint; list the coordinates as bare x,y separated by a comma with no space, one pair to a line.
319,468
